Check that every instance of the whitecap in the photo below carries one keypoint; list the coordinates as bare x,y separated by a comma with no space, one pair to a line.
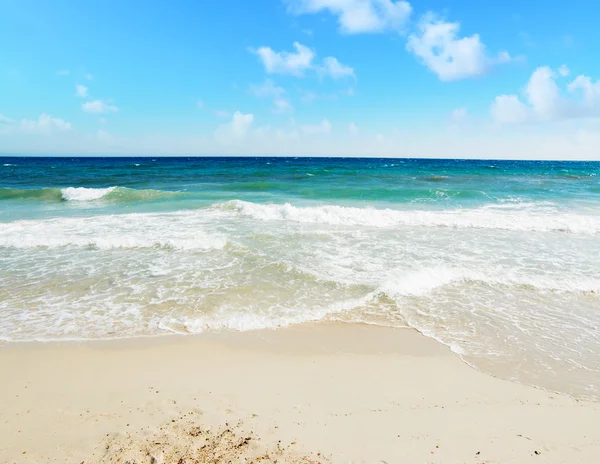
84,194
518,218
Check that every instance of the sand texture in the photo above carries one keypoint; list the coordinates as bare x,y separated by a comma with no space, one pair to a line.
314,393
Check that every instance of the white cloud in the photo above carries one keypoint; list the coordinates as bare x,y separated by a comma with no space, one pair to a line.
589,89
98,106
352,128
236,129
543,94
359,16
241,123
62,72
332,67
44,124
81,91
508,109
544,102
200,104
451,57
292,63
89,77
5,120
324,127
296,64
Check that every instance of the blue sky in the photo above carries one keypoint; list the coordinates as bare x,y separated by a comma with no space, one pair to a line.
301,77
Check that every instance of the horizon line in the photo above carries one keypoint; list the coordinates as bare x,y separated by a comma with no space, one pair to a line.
28,155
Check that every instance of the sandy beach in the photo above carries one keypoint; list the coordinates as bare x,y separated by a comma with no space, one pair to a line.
312,393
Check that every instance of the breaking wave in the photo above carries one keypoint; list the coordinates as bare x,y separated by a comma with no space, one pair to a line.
82,194
528,217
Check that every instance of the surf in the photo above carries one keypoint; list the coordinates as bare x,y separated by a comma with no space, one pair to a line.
113,194
530,217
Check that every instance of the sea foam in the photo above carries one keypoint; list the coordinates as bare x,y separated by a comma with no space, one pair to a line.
507,218
84,194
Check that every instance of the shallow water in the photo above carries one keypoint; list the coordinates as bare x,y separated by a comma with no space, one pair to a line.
498,260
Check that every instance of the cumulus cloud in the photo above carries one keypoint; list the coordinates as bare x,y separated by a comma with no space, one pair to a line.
98,106
241,123
590,91
297,63
236,129
435,42
508,109
44,124
292,63
439,46
359,16
544,101
81,91
543,94
336,70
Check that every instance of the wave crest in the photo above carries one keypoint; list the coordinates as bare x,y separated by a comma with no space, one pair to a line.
84,194
517,218
421,282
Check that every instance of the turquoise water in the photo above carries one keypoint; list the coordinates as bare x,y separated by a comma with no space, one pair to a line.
33,185
496,259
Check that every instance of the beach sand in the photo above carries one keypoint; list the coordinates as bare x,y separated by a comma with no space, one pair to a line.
313,393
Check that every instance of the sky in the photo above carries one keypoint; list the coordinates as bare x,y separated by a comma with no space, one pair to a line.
435,78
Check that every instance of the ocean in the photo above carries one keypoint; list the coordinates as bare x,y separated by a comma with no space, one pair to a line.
498,260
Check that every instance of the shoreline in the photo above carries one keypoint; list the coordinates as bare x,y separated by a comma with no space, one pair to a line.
351,392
